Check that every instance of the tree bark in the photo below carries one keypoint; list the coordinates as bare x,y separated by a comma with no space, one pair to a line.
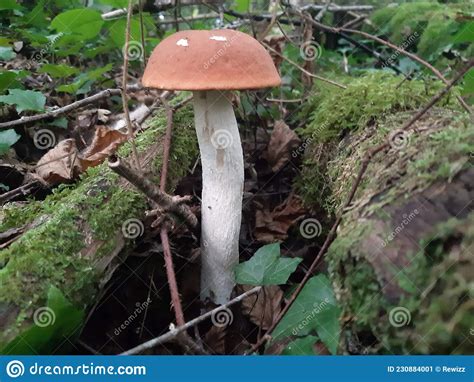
400,261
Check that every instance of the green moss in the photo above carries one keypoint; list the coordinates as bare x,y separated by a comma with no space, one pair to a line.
380,100
367,99
93,210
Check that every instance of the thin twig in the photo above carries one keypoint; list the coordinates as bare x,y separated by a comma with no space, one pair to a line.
169,336
62,110
22,190
142,29
124,86
301,68
332,233
166,202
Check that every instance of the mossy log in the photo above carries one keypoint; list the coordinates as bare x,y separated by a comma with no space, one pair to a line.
73,241
401,264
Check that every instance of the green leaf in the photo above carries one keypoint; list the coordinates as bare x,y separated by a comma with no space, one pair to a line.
58,70
7,80
24,100
266,267
9,4
6,53
242,5
466,34
301,346
81,24
7,139
59,122
314,311
84,80
114,3
468,83
117,31
58,320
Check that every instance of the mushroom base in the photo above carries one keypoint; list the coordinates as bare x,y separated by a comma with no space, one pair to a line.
223,180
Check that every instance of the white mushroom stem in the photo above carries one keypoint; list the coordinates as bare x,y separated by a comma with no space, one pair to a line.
222,188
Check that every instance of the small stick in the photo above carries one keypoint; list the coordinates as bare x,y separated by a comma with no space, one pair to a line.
169,336
124,86
165,201
332,233
301,68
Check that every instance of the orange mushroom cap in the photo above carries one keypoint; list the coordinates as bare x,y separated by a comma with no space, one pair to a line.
210,60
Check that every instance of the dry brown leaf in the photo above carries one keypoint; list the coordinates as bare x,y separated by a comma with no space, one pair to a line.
60,163
104,143
282,141
273,225
263,308
64,162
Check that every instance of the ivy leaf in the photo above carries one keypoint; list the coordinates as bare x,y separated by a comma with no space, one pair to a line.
58,70
6,53
80,24
315,310
7,139
24,100
266,267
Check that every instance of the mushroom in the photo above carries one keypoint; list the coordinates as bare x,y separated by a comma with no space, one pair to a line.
211,63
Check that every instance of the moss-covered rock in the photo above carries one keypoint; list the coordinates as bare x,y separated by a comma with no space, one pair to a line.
334,113
71,235
402,249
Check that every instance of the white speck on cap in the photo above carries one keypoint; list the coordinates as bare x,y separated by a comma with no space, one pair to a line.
182,42
218,38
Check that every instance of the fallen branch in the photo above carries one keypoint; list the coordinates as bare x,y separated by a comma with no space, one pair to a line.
166,203
332,233
171,335
65,109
